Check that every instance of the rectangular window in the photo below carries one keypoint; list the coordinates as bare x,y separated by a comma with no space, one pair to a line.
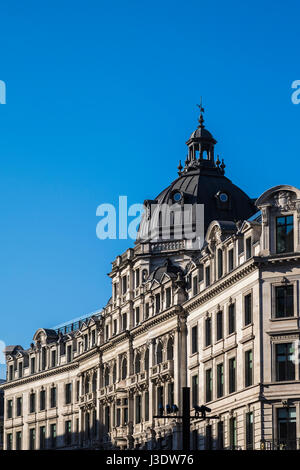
219,325
194,390
220,380
107,332
9,440
230,260
138,409
124,321
248,368
42,437
11,372
19,406
286,428
285,234
160,398
249,431
220,441
137,278
118,417
220,263
157,303
137,315
125,415
18,440
68,433
68,391
53,358
146,406
32,403
248,309
168,297
9,409
124,284
32,365
208,332
248,248
232,433
207,276
93,338
232,375
69,353
208,437
77,390
284,301
231,319
194,339
147,311
53,435
32,439
115,326
171,393
195,285
20,370
42,400
44,358
285,362
208,385
53,397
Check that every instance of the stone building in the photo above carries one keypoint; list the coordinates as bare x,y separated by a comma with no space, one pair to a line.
219,314
1,415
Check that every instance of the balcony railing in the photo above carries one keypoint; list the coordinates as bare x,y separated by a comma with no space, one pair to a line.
163,368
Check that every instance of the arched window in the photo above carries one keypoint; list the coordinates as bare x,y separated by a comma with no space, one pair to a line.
114,373
106,377
137,363
95,382
87,384
170,349
159,353
124,368
146,360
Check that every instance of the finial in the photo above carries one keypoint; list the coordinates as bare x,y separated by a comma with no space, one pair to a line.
222,166
179,168
201,118
218,161
186,161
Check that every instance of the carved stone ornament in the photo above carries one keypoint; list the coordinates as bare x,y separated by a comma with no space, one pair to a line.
284,200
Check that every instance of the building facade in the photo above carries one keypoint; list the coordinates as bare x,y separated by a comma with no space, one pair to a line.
218,314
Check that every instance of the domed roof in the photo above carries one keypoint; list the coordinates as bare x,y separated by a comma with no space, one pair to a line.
201,132
202,182
222,200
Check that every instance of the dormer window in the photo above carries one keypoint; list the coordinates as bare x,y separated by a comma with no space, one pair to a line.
11,372
20,370
285,234
248,248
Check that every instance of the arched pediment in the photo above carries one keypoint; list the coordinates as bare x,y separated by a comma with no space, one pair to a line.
44,335
283,196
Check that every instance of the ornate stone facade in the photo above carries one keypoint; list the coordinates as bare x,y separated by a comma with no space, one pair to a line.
222,319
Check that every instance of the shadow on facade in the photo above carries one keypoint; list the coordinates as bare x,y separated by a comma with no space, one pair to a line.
122,438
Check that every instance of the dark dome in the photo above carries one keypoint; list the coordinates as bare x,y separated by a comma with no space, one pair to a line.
222,200
201,132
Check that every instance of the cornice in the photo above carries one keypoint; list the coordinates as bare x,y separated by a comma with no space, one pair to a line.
40,375
219,287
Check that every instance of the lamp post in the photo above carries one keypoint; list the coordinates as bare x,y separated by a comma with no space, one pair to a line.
186,417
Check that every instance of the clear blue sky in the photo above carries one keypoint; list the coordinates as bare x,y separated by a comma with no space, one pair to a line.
100,101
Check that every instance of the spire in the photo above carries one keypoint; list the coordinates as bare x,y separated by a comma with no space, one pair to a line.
201,118
180,168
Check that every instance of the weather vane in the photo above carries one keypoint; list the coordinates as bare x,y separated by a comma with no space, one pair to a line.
201,119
